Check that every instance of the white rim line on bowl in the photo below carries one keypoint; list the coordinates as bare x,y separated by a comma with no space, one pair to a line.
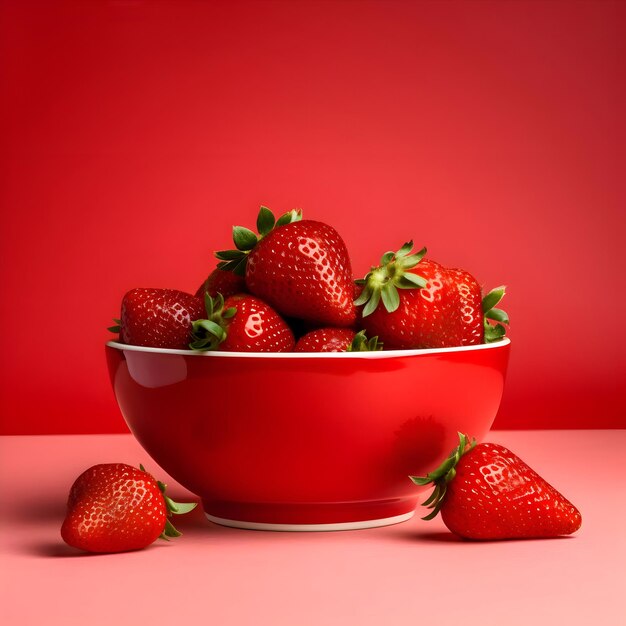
381,354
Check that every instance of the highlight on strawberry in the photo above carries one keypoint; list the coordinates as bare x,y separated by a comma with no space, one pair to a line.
293,277
115,507
485,491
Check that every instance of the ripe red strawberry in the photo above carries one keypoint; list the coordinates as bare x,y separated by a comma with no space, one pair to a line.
485,491
299,267
160,318
241,323
224,282
336,340
425,305
114,507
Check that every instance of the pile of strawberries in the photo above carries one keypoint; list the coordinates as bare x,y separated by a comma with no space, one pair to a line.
290,288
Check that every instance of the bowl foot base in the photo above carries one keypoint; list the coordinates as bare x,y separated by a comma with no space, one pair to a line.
373,523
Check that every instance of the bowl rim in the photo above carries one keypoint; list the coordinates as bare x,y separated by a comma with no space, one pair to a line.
381,354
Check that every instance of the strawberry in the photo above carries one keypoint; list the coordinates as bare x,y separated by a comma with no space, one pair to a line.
222,281
336,340
299,267
160,318
485,491
114,507
426,305
241,323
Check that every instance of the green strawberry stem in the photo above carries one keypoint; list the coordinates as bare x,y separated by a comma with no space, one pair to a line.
361,343
207,334
494,332
173,508
383,282
442,476
245,240
117,327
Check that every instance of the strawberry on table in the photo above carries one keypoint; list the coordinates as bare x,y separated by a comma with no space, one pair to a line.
299,267
409,301
485,491
114,507
241,323
160,318
336,340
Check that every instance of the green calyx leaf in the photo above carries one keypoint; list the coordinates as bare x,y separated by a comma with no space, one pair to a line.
208,334
442,476
230,255
493,298
494,332
179,508
237,265
245,240
173,508
265,221
390,296
383,281
295,215
372,302
361,343
497,315
118,326
410,281
169,531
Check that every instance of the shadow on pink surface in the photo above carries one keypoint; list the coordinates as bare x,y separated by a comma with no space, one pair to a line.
51,514
444,536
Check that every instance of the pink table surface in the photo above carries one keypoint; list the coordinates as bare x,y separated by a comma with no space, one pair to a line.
412,573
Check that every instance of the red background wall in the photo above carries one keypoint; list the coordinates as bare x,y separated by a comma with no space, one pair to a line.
134,134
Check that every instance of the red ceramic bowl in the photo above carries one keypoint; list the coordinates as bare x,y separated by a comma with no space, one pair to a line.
296,441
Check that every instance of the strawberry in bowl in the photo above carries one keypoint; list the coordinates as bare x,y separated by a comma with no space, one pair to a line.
300,267
293,404
413,302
